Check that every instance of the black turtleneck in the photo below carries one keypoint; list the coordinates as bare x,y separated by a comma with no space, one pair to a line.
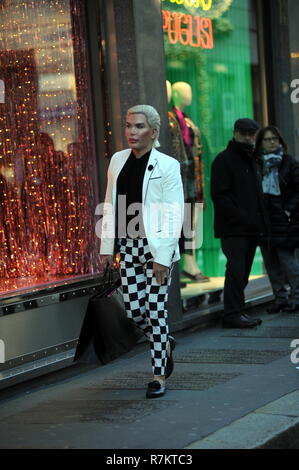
130,180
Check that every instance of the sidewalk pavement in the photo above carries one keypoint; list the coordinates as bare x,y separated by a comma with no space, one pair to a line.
231,389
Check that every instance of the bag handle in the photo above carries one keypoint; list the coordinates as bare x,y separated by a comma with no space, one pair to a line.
108,275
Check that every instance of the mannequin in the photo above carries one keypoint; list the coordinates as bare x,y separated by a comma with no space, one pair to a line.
177,143
194,192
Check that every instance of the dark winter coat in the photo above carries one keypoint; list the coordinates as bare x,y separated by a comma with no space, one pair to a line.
284,230
236,189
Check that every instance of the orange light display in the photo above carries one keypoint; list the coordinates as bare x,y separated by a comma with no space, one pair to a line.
189,30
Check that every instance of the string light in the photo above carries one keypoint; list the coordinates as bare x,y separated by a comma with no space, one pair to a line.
46,170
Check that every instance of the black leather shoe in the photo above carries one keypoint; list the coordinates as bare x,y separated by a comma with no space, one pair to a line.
276,308
292,308
258,321
169,363
155,390
238,321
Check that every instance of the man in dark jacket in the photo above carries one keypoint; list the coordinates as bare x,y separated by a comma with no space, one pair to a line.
239,217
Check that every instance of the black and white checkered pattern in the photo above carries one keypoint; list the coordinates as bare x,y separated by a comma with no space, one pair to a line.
145,300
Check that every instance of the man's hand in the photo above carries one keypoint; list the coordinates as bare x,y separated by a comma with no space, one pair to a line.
161,273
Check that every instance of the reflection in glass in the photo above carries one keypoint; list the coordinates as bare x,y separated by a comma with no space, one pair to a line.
47,185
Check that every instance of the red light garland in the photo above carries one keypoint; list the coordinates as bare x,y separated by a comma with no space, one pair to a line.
47,195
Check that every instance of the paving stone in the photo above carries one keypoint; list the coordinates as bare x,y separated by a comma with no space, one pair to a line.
230,356
267,332
251,431
287,405
83,411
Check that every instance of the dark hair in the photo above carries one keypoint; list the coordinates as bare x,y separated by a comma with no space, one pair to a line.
261,134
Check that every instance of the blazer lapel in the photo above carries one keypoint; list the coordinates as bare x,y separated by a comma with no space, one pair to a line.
121,160
152,162
123,157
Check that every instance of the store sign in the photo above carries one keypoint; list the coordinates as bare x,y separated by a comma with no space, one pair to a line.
212,8
204,4
189,30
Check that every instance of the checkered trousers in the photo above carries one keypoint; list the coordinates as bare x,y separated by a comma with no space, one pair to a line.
145,300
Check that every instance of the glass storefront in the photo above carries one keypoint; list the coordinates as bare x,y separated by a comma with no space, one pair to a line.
47,158
212,62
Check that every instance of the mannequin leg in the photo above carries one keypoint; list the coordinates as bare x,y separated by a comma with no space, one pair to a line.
190,268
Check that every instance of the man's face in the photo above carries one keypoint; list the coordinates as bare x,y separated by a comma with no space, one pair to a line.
139,134
244,137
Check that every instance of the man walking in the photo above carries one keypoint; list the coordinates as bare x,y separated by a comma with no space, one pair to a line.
239,217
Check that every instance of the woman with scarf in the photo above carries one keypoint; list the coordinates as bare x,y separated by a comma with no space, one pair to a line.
281,193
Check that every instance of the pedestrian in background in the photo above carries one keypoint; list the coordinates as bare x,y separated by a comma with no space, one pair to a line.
148,250
281,192
239,217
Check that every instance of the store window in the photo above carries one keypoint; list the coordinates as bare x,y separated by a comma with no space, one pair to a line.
213,73
47,165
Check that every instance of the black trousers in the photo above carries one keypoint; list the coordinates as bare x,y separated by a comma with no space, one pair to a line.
239,252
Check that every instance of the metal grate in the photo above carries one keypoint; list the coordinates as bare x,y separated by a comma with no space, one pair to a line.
86,411
179,381
268,332
230,356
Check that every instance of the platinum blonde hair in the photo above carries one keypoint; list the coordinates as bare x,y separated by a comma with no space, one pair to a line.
152,116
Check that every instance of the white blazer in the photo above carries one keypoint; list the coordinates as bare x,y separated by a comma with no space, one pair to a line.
162,206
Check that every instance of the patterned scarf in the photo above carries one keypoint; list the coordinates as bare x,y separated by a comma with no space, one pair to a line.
184,127
271,162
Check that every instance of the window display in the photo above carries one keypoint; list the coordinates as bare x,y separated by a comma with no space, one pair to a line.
211,53
194,174
47,158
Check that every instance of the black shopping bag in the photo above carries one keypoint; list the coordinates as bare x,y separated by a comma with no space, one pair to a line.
106,332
